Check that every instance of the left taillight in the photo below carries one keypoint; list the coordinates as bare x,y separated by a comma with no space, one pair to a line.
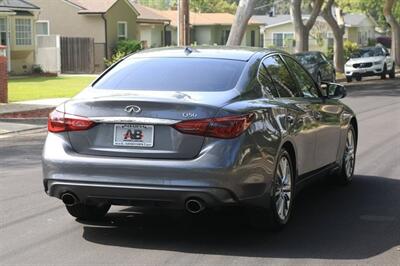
62,122
222,127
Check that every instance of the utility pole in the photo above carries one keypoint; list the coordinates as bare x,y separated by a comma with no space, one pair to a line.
183,23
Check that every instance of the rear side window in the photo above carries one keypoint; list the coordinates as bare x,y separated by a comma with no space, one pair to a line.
173,74
284,83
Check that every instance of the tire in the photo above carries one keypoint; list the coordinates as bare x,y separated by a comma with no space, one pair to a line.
384,72
345,174
358,78
281,197
392,73
88,212
349,79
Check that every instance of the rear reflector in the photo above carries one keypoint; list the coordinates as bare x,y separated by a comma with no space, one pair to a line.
222,127
62,122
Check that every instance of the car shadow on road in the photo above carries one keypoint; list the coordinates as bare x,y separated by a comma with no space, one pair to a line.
330,222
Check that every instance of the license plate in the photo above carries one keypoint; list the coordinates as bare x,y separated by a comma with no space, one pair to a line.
133,135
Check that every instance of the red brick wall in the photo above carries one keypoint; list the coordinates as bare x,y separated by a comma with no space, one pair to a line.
3,80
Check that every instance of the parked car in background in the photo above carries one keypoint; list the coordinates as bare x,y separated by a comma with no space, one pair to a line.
318,65
370,61
198,128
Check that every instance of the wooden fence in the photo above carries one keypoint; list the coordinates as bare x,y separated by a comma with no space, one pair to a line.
77,55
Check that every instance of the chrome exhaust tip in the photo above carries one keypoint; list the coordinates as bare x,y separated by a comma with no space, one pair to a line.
69,199
194,206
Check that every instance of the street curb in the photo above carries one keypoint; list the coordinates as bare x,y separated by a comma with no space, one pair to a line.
33,120
36,113
22,130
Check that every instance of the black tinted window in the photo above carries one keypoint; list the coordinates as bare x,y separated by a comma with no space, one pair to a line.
304,80
173,74
265,80
280,75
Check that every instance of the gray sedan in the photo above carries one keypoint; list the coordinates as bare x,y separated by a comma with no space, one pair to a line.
198,128
318,65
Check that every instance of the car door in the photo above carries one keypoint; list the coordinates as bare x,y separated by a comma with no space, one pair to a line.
327,68
300,124
325,113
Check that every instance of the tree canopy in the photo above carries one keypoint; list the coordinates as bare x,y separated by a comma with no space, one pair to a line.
372,7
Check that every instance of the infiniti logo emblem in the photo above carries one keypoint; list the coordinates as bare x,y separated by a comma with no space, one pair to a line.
132,109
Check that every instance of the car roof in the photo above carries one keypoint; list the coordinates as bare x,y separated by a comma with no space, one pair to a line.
216,52
310,52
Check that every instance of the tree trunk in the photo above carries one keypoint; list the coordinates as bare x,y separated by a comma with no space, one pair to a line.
301,30
184,26
243,14
338,32
395,28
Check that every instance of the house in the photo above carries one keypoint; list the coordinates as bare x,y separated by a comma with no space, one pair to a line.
210,28
17,31
105,21
152,26
278,31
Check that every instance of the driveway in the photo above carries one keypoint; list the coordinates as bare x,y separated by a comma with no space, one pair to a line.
333,225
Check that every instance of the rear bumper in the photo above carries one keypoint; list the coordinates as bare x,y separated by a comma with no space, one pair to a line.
216,178
171,197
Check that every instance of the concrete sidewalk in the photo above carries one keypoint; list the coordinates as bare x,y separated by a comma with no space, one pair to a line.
28,115
26,106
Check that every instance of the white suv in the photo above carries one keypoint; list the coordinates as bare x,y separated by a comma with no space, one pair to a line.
370,61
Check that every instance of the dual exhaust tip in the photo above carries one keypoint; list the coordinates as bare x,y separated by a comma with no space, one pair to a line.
192,205
69,199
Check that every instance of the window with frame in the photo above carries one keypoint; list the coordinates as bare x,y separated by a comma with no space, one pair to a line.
42,28
282,39
304,80
122,30
23,31
280,75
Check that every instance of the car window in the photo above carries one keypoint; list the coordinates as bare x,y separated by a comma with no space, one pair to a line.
266,82
308,59
283,82
173,74
323,57
304,80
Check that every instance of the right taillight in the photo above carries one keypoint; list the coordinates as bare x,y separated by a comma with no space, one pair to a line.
61,122
222,127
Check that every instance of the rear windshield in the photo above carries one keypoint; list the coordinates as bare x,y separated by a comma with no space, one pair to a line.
173,74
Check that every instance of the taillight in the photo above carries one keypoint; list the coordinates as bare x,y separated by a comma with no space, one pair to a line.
62,122
222,127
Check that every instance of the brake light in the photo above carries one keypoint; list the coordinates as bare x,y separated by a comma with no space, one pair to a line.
222,127
62,122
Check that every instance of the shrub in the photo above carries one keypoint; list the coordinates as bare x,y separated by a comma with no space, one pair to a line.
349,48
124,48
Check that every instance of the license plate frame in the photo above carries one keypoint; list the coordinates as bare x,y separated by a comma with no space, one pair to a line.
133,135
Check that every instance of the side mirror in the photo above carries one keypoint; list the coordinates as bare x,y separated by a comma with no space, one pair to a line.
387,54
333,90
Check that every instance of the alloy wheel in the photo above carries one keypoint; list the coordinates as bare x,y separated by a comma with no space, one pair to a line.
283,188
349,154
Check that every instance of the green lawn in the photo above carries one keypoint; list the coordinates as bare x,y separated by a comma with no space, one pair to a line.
33,88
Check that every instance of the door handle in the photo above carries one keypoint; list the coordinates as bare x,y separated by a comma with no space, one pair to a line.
290,119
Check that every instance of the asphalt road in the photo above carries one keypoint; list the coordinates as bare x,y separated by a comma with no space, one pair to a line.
334,225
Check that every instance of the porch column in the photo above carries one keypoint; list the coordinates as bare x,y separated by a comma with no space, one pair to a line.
3,75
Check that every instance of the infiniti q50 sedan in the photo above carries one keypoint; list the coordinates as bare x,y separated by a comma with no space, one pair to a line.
198,128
